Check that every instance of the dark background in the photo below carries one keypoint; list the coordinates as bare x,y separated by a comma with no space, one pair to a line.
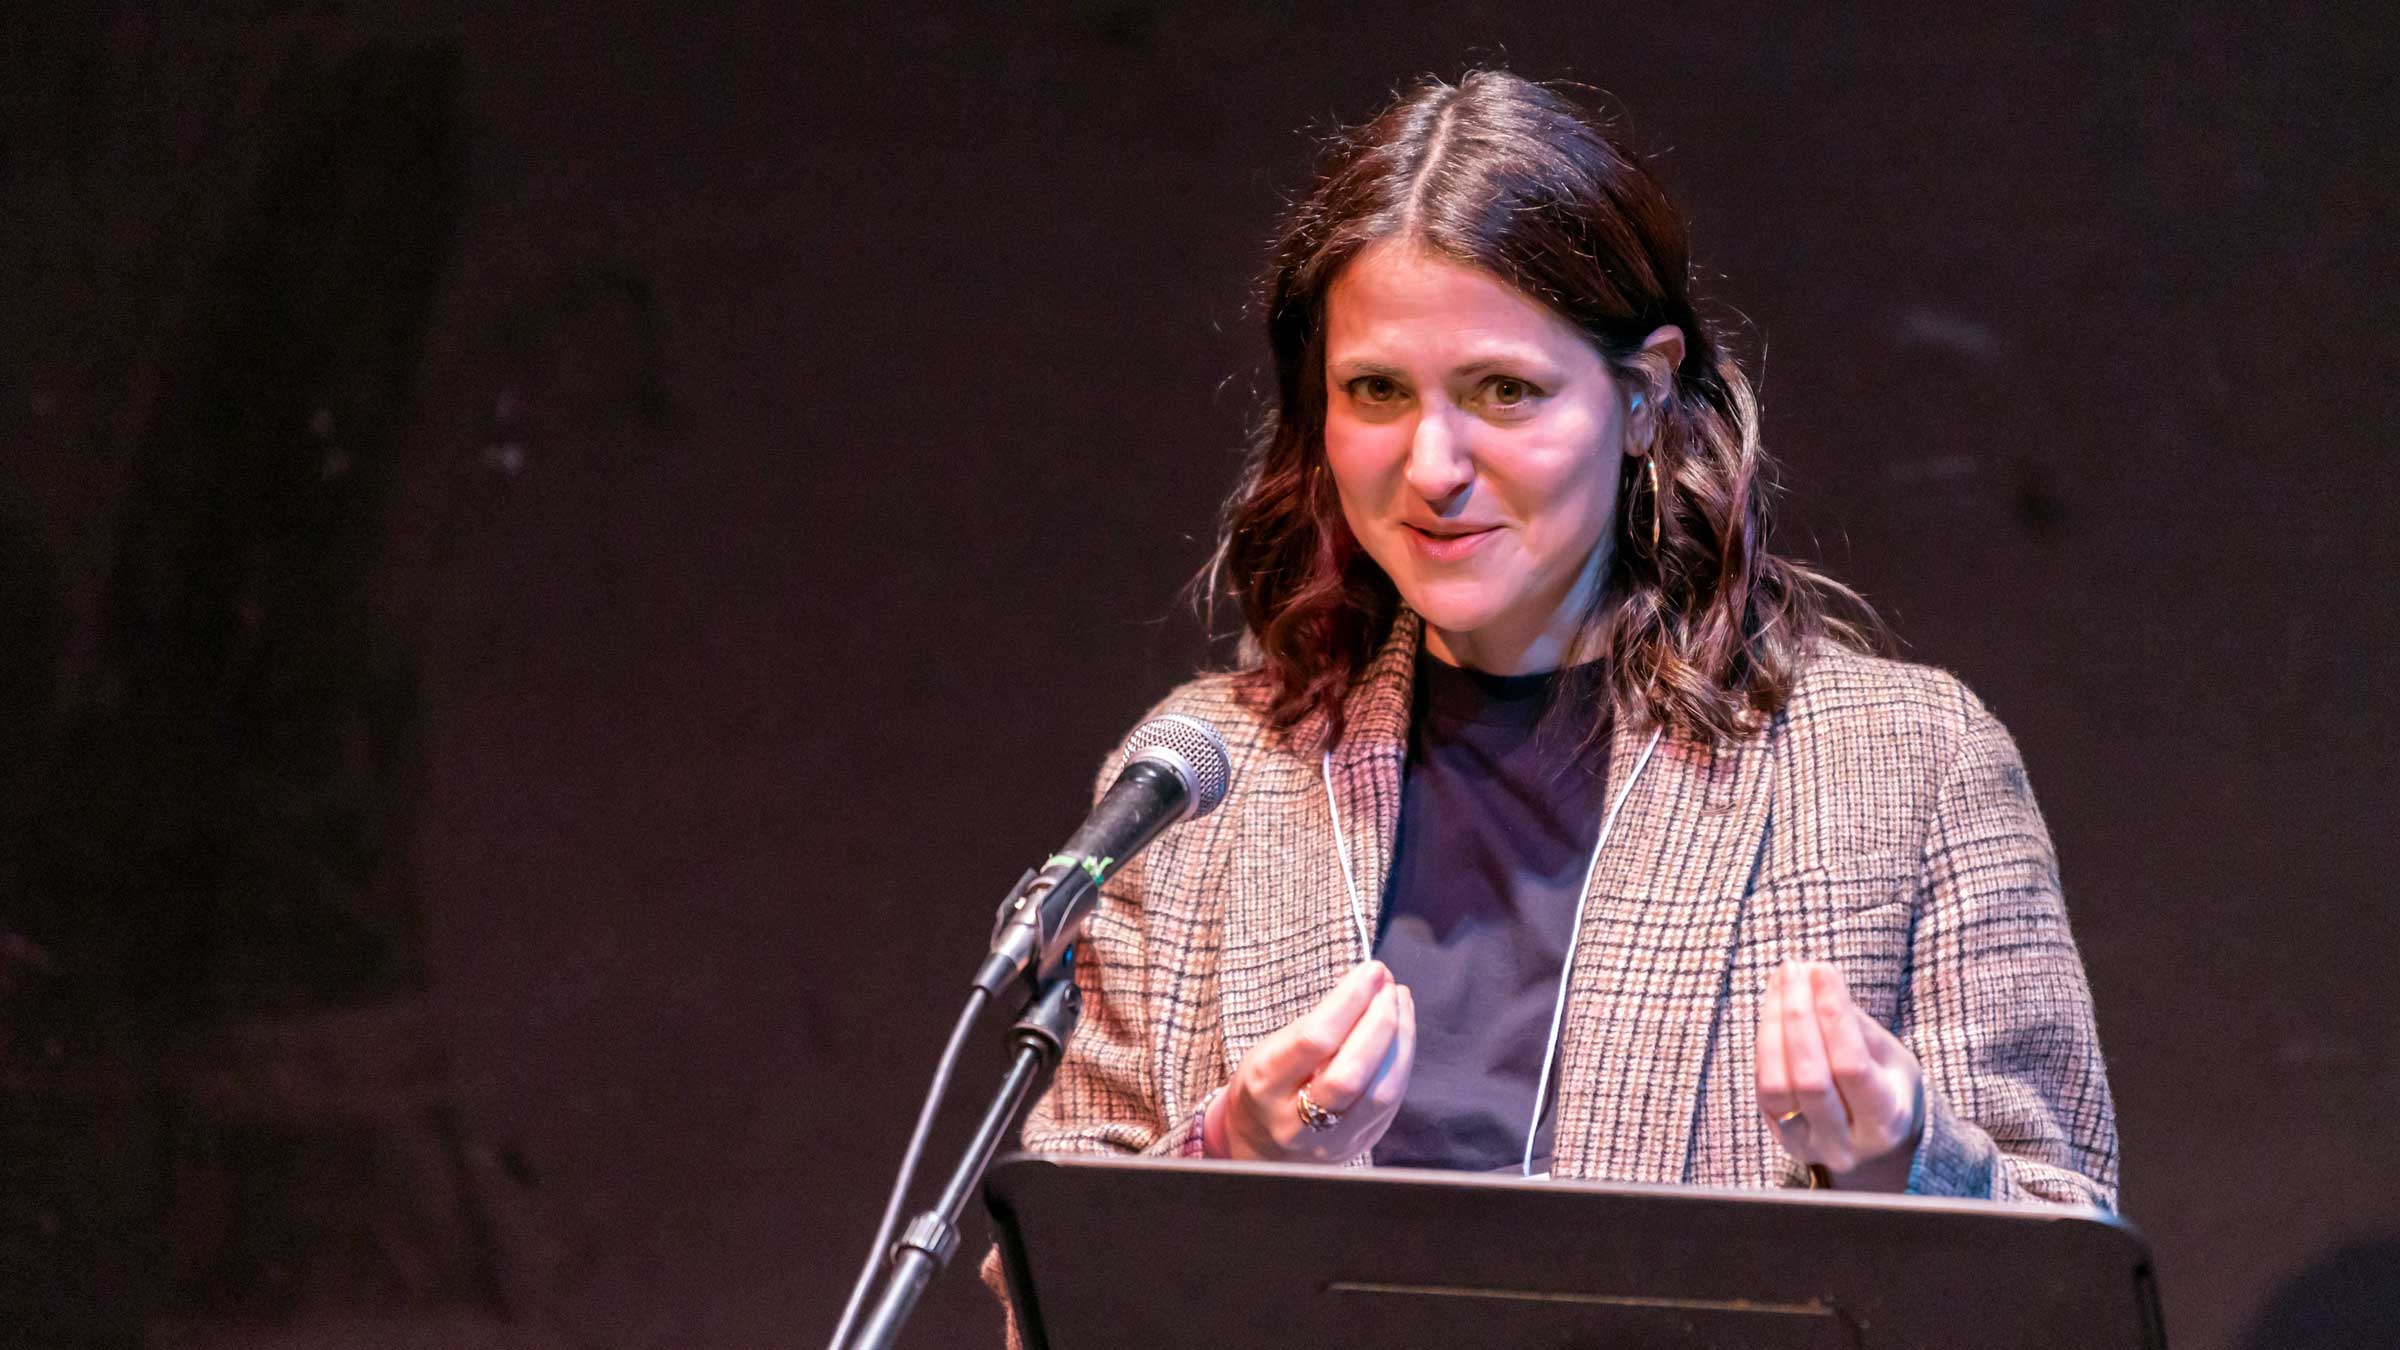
557,557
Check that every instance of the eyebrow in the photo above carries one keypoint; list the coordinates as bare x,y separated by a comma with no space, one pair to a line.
1354,368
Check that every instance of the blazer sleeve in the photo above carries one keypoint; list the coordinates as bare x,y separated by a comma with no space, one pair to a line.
1996,1006
1106,1096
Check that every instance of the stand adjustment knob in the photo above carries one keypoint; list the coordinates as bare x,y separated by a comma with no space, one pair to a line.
931,1234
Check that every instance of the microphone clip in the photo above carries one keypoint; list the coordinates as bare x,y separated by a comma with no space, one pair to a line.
1027,938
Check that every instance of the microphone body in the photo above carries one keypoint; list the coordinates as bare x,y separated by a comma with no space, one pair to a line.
1176,769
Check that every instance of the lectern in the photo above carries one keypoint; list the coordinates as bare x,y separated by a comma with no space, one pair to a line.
1170,1254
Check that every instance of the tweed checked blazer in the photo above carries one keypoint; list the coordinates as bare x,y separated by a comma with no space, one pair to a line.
1882,822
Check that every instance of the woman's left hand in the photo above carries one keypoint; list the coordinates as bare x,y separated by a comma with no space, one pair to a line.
1839,1091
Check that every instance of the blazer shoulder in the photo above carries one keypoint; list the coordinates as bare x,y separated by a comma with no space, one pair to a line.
1866,744
1843,691
1224,694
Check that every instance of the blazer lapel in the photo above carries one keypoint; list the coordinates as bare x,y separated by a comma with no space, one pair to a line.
1290,933
1652,960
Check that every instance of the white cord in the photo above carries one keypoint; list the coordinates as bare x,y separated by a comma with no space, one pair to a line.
1558,1009
1341,850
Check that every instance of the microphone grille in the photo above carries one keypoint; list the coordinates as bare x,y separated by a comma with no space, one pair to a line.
1194,747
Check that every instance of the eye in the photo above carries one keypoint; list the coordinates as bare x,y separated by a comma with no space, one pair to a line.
1508,393
1374,389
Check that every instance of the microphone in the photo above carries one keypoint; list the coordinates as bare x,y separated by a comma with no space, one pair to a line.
1176,769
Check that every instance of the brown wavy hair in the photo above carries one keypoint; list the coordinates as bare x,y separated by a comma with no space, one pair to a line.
1705,634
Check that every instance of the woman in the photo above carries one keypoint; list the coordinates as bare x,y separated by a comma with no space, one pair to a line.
1572,830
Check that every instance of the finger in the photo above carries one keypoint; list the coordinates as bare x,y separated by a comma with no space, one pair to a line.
1338,1086
1774,1082
1365,1110
1391,1078
1902,1080
1811,1080
1847,1058
1873,1071
1293,1054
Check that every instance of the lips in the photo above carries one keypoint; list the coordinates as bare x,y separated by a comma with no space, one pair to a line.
1450,543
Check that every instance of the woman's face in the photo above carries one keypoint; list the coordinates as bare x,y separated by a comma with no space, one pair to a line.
1475,438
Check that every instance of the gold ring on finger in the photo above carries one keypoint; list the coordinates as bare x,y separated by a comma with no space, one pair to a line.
1314,1116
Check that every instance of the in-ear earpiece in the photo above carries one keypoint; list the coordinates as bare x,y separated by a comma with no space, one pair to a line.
1635,405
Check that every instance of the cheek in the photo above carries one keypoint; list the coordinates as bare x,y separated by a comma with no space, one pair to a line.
1567,494
1363,459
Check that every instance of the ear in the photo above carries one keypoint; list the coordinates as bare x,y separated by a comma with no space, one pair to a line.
1667,342
1661,356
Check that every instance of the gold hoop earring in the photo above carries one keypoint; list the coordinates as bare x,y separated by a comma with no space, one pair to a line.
1657,503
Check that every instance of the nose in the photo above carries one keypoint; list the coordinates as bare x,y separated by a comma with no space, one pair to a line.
1439,466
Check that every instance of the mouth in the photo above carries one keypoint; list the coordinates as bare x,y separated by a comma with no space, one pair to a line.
1448,542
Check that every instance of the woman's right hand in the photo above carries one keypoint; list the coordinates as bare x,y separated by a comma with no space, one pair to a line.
1351,1051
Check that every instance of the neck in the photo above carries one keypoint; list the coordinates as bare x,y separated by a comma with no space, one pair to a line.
1479,650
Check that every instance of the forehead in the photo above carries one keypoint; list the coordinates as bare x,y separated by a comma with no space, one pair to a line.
1400,302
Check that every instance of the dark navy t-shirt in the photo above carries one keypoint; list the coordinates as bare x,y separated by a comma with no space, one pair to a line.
1498,813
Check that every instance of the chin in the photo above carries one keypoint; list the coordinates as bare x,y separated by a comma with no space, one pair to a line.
1452,608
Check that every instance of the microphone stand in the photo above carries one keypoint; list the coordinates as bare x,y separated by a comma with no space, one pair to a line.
927,1243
